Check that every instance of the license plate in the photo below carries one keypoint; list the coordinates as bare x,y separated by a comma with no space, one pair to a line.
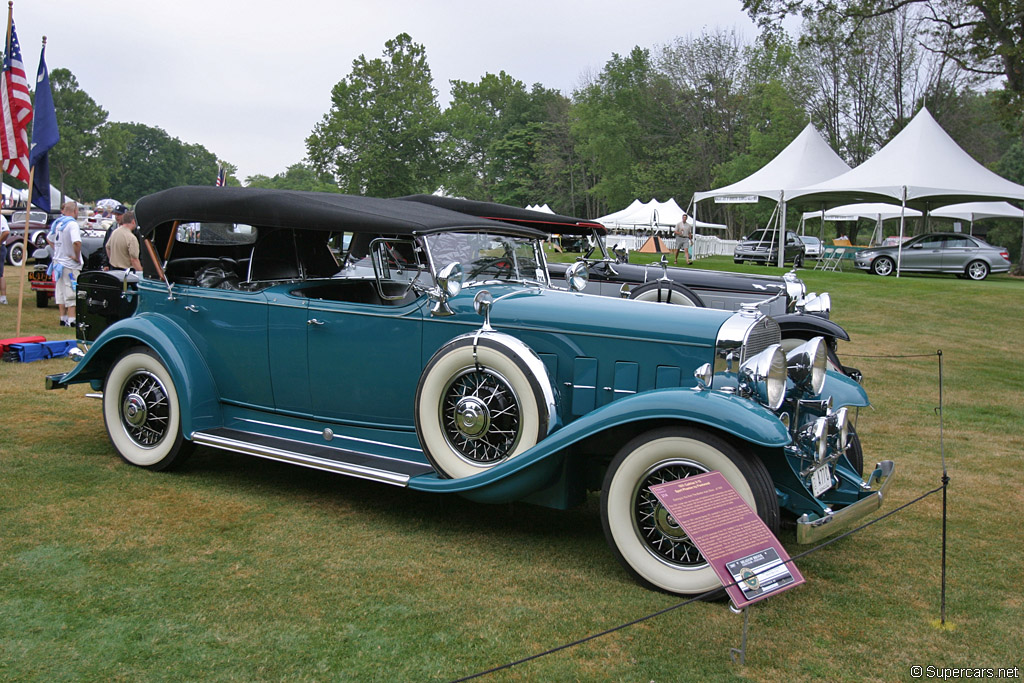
38,276
821,481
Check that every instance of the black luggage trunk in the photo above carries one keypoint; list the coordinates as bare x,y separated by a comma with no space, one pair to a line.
103,299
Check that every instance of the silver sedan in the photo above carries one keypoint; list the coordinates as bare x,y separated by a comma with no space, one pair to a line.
962,255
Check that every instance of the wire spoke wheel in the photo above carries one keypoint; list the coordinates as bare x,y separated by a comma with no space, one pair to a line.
661,534
145,410
481,416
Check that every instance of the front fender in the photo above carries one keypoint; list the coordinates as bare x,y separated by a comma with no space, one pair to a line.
192,379
534,469
803,324
844,391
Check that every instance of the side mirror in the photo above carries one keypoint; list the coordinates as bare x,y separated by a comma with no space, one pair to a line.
577,276
449,284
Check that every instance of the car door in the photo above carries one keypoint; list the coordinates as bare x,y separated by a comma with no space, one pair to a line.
924,254
957,253
364,360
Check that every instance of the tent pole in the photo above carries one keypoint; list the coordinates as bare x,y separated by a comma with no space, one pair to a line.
782,229
899,250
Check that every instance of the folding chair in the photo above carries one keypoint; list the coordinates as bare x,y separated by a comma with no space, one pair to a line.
831,259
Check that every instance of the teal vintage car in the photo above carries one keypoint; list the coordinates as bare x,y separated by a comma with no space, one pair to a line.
416,346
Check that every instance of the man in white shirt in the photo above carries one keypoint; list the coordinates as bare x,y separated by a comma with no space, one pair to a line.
5,231
67,261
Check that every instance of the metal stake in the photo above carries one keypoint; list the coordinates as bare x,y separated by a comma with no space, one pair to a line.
740,653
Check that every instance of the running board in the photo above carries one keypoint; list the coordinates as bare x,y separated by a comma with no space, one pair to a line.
326,458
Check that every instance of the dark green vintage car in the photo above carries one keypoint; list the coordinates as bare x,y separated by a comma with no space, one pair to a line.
421,347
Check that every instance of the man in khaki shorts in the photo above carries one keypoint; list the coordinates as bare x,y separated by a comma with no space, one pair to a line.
66,238
123,245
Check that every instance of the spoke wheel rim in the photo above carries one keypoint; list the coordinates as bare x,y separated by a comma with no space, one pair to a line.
884,267
481,416
144,409
976,271
659,533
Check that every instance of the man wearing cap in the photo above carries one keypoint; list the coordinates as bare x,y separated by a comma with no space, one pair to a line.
118,217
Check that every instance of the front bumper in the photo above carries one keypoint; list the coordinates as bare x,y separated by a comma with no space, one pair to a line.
813,530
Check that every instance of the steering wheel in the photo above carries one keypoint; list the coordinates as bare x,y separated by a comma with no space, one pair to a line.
501,266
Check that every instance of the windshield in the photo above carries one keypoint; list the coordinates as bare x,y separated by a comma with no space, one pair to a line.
488,257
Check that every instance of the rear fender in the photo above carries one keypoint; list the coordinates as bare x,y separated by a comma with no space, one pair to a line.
538,467
192,379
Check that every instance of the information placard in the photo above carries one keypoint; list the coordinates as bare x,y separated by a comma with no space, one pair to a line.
730,536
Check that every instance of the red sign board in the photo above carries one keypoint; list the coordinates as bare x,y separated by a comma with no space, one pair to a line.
730,536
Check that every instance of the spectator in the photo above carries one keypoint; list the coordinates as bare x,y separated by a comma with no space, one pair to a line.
5,230
67,261
123,247
683,233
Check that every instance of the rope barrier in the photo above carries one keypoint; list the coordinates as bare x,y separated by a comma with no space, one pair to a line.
794,558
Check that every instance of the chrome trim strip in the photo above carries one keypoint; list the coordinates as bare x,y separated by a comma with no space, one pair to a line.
293,458
812,531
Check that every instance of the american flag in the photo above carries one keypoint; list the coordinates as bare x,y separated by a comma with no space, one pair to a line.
221,179
16,112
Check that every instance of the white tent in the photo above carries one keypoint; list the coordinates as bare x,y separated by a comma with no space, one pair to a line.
921,167
543,208
804,161
11,194
653,215
872,211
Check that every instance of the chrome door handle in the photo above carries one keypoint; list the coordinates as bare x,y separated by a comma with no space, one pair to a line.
191,308
314,321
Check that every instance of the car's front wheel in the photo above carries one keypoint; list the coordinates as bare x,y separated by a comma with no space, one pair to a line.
977,270
142,413
480,401
662,291
644,537
883,265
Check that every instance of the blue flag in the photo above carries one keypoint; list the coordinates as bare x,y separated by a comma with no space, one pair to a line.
44,136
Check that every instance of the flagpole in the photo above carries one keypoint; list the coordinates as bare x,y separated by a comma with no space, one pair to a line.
24,241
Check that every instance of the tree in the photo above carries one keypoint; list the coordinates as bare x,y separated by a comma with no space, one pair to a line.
77,169
299,176
146,159
981,36
381,135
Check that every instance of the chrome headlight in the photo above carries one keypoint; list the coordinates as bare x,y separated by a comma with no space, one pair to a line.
795,287
817,303
842,427
764,377
807,364
820,437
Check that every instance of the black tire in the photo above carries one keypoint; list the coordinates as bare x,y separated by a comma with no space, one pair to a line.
883,266
478,407
142,413
657,554
976,270
738,261
662,291
42,299
16,254
798,261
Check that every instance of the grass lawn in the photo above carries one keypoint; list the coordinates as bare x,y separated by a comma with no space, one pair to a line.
235,568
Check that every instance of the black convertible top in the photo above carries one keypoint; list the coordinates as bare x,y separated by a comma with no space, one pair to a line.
549,223
307,210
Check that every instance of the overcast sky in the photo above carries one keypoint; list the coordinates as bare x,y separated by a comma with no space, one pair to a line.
249,79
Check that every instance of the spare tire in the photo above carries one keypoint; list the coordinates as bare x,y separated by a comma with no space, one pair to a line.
664,291
483,398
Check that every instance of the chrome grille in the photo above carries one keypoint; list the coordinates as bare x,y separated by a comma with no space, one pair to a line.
760,336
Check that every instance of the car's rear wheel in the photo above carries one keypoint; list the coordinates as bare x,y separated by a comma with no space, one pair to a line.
481,401
666,292
644,537
798,261
977,270
16,254
883,265
142,412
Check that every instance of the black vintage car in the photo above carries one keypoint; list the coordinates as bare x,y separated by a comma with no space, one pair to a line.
801,315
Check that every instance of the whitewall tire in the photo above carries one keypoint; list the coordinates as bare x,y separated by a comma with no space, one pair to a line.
666,292
142,413
642,535
481,400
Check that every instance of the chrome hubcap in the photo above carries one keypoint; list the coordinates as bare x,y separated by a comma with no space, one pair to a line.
472,417
134,410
